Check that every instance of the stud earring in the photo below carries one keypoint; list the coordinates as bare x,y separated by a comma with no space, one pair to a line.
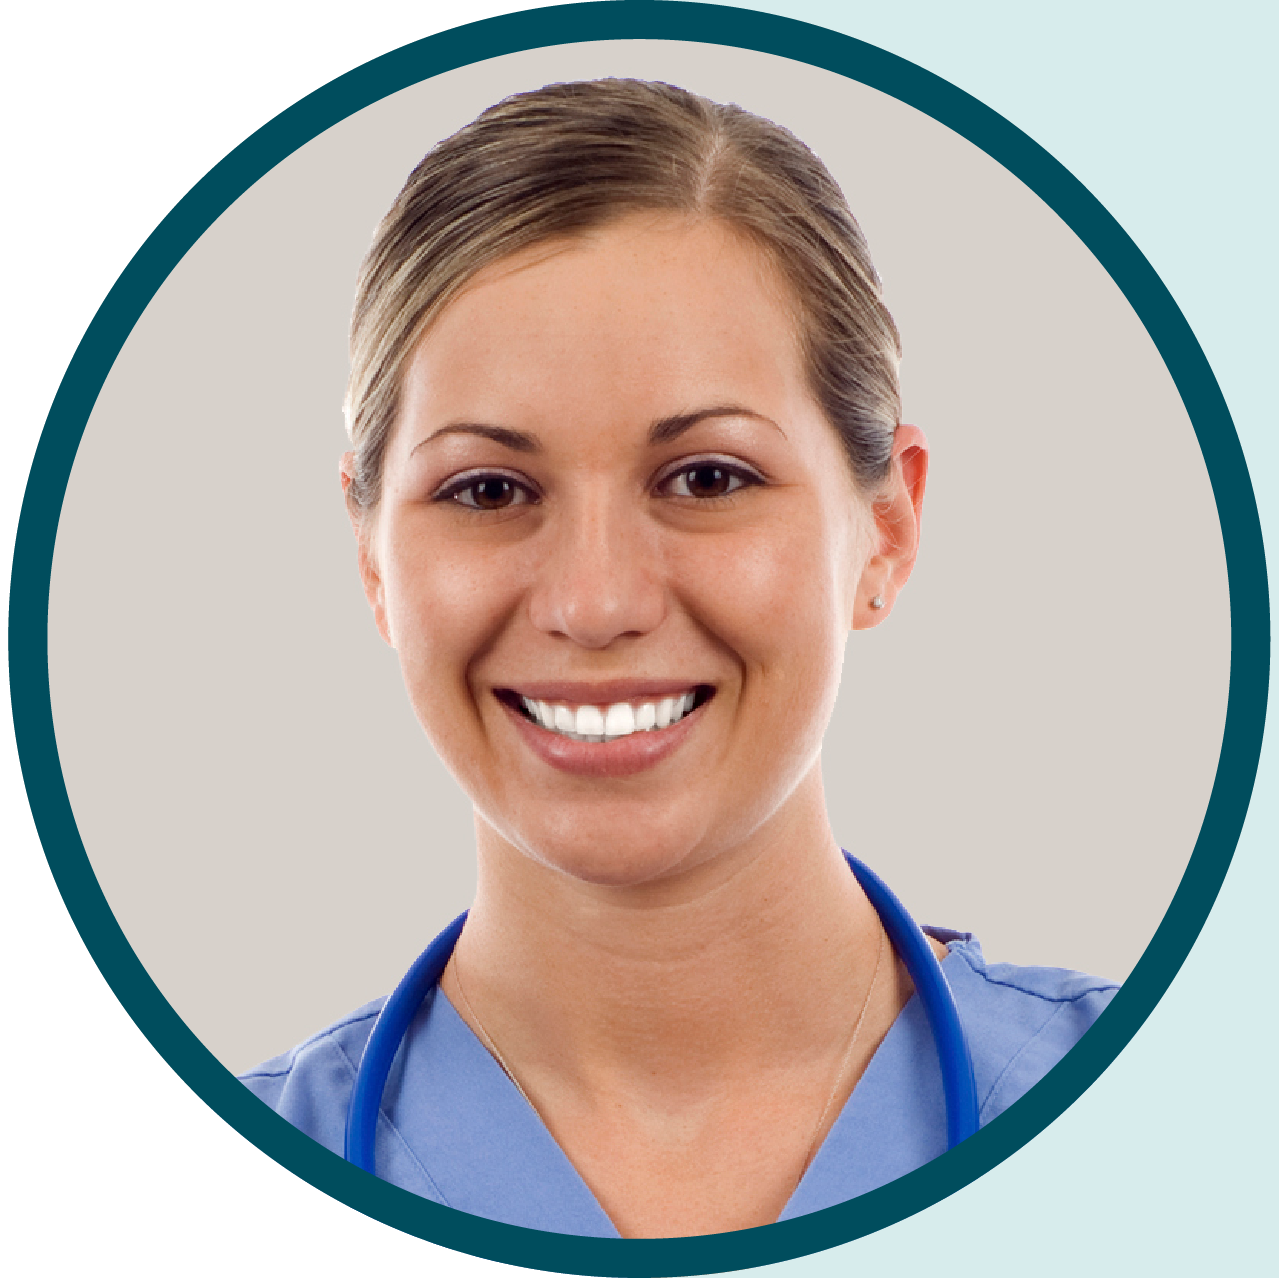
877,602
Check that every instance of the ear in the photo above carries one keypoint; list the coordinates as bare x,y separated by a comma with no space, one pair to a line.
897,515
362,526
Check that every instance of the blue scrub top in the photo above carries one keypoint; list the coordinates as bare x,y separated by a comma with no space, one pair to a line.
454,1129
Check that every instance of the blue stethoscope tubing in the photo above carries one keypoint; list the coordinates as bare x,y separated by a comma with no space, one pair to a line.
958,1083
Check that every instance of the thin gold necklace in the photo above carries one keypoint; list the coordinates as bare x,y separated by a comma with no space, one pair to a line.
843,1064
488,1038
830,1099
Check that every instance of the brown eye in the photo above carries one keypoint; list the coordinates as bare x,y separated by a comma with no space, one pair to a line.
706,480
487,492
492,494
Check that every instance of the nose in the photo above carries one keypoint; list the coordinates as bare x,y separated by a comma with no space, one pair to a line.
600,579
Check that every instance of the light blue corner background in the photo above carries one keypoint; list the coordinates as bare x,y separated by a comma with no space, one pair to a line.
1167,113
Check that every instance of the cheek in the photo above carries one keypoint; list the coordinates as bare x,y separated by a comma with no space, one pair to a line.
775,600
443,610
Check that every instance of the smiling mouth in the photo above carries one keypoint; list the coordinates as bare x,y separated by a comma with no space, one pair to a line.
604,723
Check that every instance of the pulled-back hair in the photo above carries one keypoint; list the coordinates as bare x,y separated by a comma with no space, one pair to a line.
570,157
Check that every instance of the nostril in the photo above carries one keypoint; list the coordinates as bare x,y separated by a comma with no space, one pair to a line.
599,578
597,617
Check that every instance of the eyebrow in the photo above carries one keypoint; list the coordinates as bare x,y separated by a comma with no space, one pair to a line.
517,440
661,431
665,429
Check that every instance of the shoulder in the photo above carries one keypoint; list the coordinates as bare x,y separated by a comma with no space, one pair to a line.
1020,1020
310,1085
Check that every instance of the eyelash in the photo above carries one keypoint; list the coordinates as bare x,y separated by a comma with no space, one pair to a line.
453,490
740,476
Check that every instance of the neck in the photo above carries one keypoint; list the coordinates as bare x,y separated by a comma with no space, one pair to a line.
749,962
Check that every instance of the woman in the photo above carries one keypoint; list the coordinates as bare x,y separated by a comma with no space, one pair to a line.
627,470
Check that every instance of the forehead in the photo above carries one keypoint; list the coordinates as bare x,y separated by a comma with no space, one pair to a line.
649,315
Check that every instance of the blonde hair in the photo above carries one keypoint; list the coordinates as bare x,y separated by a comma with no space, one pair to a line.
569,157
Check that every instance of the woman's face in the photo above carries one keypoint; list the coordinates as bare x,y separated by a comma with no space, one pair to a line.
610,495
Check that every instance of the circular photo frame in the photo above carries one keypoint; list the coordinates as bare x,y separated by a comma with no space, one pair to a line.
33,567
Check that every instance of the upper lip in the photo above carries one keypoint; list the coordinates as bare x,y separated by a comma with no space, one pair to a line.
605,692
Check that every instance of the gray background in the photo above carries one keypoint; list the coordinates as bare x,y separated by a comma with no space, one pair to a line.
1025,749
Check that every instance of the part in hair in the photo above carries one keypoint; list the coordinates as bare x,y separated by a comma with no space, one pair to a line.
567,158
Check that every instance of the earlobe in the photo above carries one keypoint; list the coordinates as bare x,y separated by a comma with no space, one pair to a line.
373,592
897,514
361,526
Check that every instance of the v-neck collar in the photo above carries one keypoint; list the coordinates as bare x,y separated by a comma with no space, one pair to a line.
482,1145
483,1149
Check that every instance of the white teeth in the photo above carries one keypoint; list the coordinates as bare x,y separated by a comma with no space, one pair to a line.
619,721
590,722
608,723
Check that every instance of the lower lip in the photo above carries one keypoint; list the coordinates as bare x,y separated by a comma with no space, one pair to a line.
623,757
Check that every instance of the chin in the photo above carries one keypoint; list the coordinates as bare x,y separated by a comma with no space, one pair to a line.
611,852
613,863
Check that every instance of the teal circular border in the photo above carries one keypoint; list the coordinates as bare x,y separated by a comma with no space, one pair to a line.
33,560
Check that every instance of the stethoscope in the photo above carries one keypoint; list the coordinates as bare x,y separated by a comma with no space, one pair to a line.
958,1084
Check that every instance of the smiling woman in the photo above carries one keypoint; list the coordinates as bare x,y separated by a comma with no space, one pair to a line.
627,471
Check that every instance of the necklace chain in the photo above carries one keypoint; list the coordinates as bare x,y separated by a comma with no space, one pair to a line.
488,1038
830,1099
811,1152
